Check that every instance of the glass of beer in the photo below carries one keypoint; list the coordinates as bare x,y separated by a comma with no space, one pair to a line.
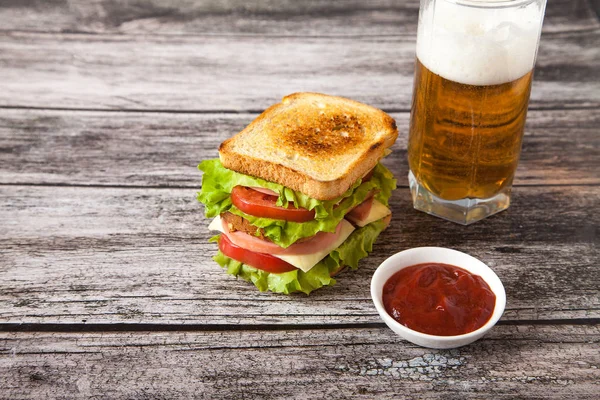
473,75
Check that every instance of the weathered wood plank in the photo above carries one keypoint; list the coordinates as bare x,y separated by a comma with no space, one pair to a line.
272,17
249,73
104,255
123,255
160,149
595,6
511,362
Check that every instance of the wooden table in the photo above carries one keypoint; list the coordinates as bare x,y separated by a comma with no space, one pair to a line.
107,287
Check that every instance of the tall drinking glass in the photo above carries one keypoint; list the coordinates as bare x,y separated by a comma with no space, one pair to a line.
473,75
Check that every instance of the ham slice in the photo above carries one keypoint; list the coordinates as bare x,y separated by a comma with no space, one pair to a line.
265,191
361,211
318,242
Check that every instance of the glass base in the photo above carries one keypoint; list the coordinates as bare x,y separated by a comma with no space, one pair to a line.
463,211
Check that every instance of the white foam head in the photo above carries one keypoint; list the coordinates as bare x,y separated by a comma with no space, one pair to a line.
479,45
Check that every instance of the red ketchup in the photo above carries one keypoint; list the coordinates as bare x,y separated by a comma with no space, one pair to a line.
438,299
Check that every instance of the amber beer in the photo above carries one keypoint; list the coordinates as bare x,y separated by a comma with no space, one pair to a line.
456,153
474,66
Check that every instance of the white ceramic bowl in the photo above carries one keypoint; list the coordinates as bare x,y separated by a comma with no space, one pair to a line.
442,255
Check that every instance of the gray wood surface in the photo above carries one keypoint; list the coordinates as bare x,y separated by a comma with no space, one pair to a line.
238,17
74,254
164,149
107,289
525,362
187,73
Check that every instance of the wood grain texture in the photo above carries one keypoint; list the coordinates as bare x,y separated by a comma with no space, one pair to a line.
163,149
528,362
188,73
266,17
87,244
106,255
595,6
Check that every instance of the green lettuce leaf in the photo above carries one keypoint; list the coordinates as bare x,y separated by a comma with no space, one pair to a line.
356,247
218,181
287,282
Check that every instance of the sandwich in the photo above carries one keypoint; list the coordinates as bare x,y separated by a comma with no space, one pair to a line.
300,194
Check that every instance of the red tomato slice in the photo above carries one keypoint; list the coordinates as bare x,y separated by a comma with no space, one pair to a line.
263,261
262,205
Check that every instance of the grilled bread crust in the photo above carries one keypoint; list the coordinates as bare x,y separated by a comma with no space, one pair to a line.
312,143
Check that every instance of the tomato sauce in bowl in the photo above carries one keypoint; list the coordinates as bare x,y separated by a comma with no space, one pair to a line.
438,299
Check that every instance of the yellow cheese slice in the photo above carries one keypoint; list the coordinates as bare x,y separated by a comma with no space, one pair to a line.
216,225
304,262
378,211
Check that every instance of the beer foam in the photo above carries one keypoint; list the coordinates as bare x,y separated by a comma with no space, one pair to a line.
479,45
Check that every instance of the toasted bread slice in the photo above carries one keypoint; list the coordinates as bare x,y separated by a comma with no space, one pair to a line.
313,143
